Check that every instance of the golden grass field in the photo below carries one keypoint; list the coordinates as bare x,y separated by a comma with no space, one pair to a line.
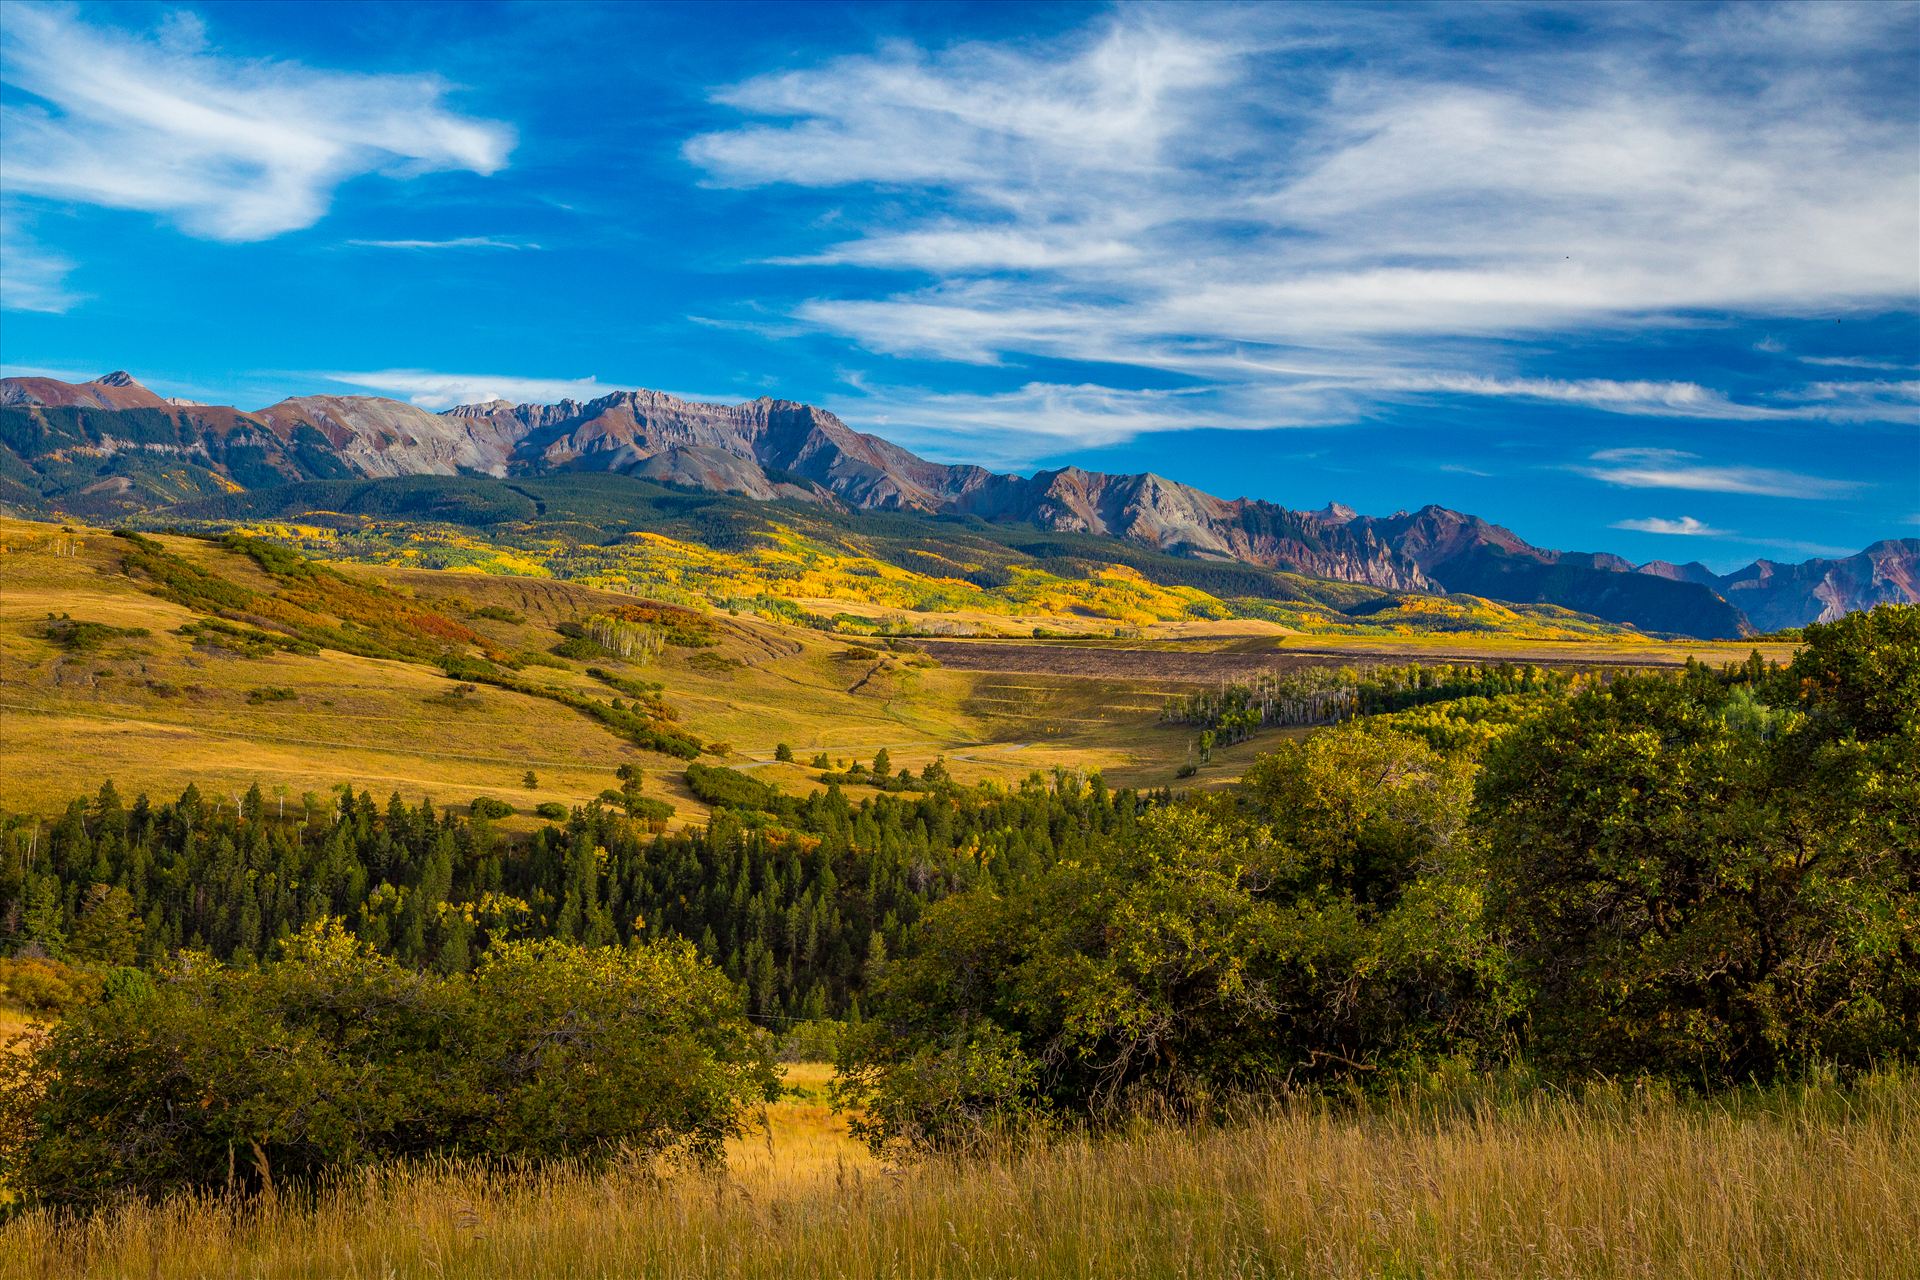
1618,1185
156,712
14,1024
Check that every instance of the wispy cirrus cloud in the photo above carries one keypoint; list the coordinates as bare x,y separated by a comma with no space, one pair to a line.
1881,401
1684,527
1169,192
1666,399
32,277
458,242
230,148
1824,550
1855,362
1007,429
432,390
1641,468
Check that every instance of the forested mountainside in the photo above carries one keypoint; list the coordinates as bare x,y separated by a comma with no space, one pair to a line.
113,448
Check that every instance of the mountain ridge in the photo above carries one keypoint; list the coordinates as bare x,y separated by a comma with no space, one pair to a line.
780,449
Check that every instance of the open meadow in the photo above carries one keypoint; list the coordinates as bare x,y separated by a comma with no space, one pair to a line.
158,709
1818,1184
156,705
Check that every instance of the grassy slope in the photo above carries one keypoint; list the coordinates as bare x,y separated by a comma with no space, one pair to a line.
1617,1186
786,559
156,713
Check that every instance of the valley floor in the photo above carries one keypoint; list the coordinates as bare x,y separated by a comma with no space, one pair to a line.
1812,1184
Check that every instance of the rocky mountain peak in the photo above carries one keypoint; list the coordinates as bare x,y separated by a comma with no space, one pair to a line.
774,448
116,390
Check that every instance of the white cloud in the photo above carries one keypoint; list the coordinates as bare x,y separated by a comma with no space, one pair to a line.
1007,429
1685,526
1879,401
1884,401
1162,193
459,242
1668,399
229,148
1676,469
964,249
43,371
995,121
437,391
1855,362
1823,550
431,389
32,278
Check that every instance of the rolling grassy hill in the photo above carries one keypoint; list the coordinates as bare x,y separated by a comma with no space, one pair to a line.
124,682
163,660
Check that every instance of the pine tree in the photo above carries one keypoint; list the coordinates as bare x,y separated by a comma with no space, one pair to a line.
108,931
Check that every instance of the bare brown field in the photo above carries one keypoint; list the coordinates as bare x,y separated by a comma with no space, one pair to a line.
1226,657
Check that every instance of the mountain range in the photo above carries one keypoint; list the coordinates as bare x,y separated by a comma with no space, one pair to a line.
112,447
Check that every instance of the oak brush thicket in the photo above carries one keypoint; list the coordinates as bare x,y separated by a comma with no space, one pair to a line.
1712,878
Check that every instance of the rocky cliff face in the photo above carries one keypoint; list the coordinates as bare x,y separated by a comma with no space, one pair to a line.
768,449
1693,571
379,437
1464,553
1777,595
663,437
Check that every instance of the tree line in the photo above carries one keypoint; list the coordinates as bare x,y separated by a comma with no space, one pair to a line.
799,906
1327,695
1710,876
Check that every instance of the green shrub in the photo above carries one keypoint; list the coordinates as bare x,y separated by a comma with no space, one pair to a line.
1700,896
726,788
335,1057
551,810
647,809
813,1040
1323,925
86,637
489,807
37,985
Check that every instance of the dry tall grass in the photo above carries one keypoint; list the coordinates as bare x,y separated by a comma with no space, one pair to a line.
1824,1183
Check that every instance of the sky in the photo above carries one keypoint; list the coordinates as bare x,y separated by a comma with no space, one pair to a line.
1639,278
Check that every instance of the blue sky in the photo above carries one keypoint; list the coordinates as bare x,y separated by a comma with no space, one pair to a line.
1639,278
